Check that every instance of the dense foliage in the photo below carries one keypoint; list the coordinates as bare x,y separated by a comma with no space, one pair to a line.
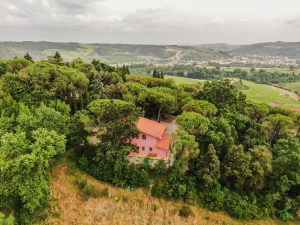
229,154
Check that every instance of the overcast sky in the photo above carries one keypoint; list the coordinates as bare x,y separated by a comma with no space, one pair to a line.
150,21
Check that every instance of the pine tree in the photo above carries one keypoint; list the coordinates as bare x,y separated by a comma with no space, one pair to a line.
57,58
162,76
28,57
154,75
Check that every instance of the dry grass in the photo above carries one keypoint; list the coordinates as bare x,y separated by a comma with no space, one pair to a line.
122,207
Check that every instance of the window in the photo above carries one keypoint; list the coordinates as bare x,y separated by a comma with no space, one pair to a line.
143,148
150,149
144,137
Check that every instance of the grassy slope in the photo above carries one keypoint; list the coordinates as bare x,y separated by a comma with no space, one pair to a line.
257,92
184,80
268,94
137,208
294,86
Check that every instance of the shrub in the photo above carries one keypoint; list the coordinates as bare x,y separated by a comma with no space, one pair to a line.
213,199
90,190
185,211
241,207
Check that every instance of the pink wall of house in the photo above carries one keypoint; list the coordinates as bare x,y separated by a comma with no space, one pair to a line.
148,143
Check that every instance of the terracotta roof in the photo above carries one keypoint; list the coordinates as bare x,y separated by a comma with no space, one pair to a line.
164,142
151,127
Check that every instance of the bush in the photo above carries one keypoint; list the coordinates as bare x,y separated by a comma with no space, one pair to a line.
241,207
158,188
90,190
213,199
185,211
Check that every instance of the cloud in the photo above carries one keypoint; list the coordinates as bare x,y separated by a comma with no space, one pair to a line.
145,21
295,22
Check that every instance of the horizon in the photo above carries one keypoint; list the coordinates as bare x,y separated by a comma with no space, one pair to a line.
148,44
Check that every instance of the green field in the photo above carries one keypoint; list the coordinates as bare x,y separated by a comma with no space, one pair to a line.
184,80
256,92
268,94
294,86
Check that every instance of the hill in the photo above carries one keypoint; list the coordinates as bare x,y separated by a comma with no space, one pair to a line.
266,49
150,54
112,53
71,205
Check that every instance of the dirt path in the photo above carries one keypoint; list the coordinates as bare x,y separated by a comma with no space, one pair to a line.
284,92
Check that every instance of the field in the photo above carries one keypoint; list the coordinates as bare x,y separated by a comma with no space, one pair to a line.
184,80
294,86
261,93
270,95
122,206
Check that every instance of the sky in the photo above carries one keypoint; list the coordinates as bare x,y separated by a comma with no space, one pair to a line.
150,21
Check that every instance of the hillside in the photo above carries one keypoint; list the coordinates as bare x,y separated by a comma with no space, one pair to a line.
70,205
156,54
267,49
111,53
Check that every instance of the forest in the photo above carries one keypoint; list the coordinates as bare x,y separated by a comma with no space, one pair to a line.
230,154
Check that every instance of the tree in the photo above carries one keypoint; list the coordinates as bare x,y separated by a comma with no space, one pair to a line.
24,165
44,117
200,106
236,171
117,119
258,111
193,123
28,57
155,74
208,168
223,94
277,125
260,165
56,58
184,146
286,163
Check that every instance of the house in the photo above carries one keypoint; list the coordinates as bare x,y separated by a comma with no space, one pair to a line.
152,141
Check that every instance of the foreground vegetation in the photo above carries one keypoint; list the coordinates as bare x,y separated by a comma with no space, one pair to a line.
122,206
230,154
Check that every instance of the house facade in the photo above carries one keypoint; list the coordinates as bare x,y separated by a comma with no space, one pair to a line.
153,141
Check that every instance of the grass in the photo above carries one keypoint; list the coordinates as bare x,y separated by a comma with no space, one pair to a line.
268,94
260,93
122,206
183,80
294,86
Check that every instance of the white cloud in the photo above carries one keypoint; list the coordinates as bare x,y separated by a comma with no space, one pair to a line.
150,21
